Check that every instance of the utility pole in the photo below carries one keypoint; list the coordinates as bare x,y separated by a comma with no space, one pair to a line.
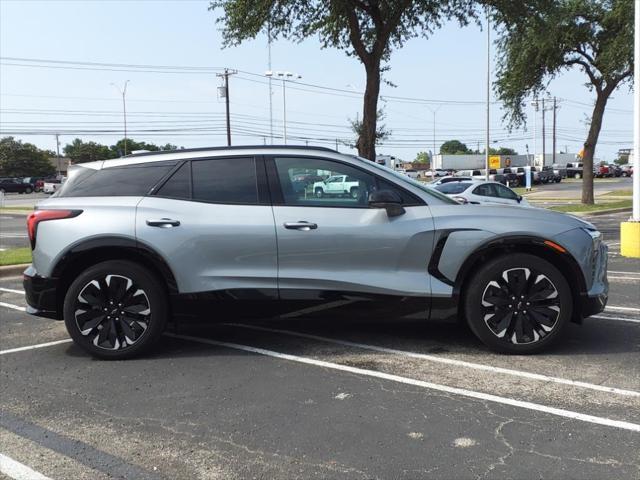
58,152
543,133
123,92
270,85
225,75
555,107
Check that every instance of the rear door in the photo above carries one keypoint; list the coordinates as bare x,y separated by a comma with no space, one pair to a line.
212,223
334,251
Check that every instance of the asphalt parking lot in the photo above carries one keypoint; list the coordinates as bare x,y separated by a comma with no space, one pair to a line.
314,398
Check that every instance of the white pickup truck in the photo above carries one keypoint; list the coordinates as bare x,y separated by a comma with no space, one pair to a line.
337,185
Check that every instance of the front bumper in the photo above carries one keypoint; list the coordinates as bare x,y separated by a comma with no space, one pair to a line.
41,295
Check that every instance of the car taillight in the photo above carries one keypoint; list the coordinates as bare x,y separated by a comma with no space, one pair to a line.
43,215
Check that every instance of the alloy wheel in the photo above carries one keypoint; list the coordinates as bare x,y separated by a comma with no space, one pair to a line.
521,306
113,311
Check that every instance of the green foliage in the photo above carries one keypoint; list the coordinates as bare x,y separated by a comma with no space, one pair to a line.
367,29
503,151
454,147
80,152
422,157
539,39
19,159
382,133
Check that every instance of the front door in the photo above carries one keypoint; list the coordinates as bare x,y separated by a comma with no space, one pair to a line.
337,251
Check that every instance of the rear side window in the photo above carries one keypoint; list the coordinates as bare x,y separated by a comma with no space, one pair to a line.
179,185
452,188
129,180
225,180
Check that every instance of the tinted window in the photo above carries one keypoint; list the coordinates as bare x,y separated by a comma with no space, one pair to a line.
225,180
130,180
317,182
179,185
485,190
504,192
452,187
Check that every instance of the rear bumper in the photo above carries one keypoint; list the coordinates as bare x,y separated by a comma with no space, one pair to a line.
40,294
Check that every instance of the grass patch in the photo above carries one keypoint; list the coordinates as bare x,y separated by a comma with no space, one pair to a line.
579,207
21,209
619,193
15,256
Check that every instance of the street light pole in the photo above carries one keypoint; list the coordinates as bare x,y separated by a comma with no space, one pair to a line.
123,92
285,77
486,155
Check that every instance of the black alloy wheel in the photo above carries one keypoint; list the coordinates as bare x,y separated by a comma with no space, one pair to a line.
518,303
115,309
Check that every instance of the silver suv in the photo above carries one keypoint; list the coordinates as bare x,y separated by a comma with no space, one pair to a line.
128,245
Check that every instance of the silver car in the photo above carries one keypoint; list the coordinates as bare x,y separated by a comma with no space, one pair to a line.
130,244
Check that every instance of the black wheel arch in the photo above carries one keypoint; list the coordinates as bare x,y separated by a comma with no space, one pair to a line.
94,250
564,261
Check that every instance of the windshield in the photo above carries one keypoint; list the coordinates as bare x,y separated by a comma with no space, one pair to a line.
406,179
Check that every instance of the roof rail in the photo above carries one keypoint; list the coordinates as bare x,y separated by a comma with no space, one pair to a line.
237,147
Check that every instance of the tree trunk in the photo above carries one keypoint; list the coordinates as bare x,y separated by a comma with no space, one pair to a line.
367,139
590,146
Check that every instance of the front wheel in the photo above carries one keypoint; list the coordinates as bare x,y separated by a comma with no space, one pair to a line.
115,310
577,176
518,304
355,192
28,190
319,193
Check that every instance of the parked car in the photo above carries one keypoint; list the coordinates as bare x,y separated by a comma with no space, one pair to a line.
601,171
337,185
412,173
574,170
36,182
482,193
626,169
14,185
553,175
51,185
127,245
542,174
512,179
615,170
559,171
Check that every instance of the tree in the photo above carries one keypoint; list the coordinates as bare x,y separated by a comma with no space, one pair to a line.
80,152
454,147
423,157
541,38
19,159
366,29
381,130
118,149
505,151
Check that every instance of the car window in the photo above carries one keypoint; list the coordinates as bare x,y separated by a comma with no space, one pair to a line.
129,180
311,182
453,187
225,180
504,192
485,190
179,185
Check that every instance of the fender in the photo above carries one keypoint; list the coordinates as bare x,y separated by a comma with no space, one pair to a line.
116,246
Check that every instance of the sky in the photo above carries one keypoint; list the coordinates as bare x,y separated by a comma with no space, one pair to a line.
173,50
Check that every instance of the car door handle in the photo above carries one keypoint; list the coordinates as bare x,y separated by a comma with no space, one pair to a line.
304,226
163,222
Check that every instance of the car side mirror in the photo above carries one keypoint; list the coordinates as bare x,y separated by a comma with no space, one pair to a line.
519,198
389,200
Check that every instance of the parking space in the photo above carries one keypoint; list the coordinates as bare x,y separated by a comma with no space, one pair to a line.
317,398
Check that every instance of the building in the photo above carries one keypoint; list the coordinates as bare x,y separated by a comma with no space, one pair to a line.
61,164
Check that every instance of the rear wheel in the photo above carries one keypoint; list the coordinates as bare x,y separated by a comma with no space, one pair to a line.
319,193
518,304
115,309
577,176
28,190
355,192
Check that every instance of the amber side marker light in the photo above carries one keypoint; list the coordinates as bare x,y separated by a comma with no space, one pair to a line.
555,246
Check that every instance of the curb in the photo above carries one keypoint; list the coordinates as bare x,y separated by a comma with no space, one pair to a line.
12,270
601,212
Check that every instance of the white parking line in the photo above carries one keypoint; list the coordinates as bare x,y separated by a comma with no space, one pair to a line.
420,383
18,471
629,279
14,307
34,347
622,309
448,361
616,319
11,290
626,273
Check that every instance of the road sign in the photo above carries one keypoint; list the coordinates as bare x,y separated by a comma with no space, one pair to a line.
494,161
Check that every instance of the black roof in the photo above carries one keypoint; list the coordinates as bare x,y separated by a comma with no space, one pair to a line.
236,147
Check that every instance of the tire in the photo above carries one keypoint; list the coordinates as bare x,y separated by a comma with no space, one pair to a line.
540,286
577,176
28,190
95,303
319,193
355,192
